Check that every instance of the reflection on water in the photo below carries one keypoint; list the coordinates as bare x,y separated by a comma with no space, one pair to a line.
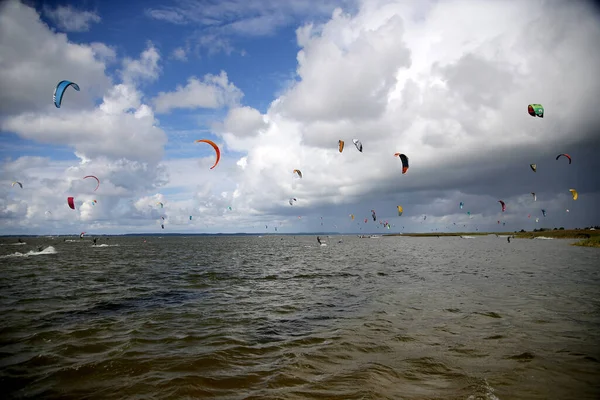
266,318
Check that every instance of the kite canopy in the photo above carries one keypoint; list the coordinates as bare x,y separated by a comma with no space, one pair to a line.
533,167
534,196
217,151
340,145
297,171
565,155
71,203
97,180
292,201
503,205
461,205
17,183
358,144
536,110
59,90
574,193
400,210
404,160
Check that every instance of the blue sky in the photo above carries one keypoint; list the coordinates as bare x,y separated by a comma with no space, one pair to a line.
276,85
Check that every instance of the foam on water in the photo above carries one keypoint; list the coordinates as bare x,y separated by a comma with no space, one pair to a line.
46,251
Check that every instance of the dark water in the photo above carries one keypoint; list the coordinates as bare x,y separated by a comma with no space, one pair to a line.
280,318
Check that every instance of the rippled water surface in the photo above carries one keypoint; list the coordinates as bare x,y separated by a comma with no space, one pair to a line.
282,318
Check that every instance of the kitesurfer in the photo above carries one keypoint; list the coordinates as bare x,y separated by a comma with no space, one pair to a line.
20,241
508,238
319,240
95,239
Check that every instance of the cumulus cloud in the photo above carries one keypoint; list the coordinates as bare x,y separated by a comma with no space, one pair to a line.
121,127
145,68
71,20
118,140
34,60
449,89
42,203
215,91
243,121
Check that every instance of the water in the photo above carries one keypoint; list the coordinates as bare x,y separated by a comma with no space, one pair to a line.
281,318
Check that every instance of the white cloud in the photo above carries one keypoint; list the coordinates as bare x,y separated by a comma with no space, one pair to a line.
121,127
215,91
104,52
179,54
144,68
42,203
34,60
243,121
449,89
171,16
218,24
71,20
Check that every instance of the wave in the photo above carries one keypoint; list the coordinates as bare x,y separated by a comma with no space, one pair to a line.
544,238
13,244
47,250
105,245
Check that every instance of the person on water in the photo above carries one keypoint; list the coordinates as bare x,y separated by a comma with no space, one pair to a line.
95,239
508,239
20,241
40,248
319,240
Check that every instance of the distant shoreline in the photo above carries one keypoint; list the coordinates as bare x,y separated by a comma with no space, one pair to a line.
588,237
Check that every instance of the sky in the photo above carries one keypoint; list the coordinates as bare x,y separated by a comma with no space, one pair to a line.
275,84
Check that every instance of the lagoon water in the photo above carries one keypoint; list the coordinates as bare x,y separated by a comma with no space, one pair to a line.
279,317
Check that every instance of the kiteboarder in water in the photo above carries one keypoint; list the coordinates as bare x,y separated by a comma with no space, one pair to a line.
95,239
319,240
508,238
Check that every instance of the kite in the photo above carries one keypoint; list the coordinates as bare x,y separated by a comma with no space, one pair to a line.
59,90
503,205
574,193
358,144
566,155
214,147
98,180
404,160
340,145
536,110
